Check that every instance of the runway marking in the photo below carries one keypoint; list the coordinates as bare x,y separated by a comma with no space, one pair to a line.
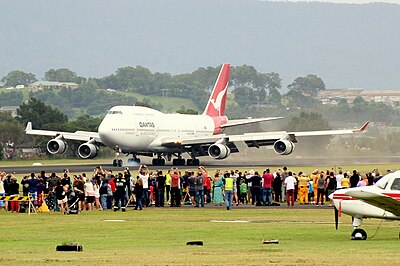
114,221
229,221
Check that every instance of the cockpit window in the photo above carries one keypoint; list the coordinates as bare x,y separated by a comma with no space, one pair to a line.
114,112
395,184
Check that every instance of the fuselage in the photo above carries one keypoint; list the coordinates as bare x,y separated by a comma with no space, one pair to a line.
142,129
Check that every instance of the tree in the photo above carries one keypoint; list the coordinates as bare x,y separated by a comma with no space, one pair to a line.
18,77
41,115
63,75
309,85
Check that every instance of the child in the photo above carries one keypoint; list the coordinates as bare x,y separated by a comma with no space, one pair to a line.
243,191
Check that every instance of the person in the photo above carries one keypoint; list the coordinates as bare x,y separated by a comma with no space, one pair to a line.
290,183
160,184
40,189
96,189
120,191
32,187
207,185
2,190
314,177
192,187
13,190
284,174
104,186
354,179
139,194
175,189
199,186
277,185
61,194
256,189
235,176
330,187
339,178
303,188
52,184
228,191
218,197
320,189
345,183
168,186
243,191
145,175
89,195
268,179
311,191
79,188
363,182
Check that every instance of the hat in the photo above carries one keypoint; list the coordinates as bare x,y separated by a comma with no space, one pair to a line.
316,171
251,172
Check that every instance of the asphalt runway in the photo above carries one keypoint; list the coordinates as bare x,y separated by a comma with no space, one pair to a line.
237,163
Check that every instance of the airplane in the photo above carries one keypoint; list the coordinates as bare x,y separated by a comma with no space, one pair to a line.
381,201
142,131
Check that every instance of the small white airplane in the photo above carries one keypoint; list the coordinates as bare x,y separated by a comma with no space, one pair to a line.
142,131
382,201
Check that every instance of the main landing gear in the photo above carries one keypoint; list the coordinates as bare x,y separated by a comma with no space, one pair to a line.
131,162
358,233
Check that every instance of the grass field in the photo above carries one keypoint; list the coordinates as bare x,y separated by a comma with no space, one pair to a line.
158,237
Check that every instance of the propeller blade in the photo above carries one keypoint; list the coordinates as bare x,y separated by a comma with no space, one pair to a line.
336,218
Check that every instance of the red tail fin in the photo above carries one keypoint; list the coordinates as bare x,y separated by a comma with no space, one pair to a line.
216,103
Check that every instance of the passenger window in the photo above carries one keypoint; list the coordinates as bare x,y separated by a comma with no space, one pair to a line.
396,184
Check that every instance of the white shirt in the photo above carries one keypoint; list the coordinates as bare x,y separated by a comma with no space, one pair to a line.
2,191
89,190
290,181
339,178
145,179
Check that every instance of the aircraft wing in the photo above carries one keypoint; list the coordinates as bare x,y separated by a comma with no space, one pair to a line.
239,122
255,139
77,135
378,200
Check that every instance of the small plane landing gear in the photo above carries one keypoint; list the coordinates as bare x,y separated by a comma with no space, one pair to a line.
359,234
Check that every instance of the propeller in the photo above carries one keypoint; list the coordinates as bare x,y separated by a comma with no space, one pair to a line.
336,218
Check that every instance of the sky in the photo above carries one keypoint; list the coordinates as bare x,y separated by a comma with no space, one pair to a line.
343,1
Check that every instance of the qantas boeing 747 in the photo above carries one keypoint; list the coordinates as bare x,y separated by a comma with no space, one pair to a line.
142,131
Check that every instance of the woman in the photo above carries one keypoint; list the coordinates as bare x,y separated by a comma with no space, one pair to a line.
218,197
2,190
13,190
89,194
139,193
96,189
61,194
321,189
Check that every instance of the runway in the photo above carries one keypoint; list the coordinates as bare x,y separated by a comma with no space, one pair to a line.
237,163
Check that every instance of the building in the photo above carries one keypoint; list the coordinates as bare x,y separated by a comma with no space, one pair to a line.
43,84
10,109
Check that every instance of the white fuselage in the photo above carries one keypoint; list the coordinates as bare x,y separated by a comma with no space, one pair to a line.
141,129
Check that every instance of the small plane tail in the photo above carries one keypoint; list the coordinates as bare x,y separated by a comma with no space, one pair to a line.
216,104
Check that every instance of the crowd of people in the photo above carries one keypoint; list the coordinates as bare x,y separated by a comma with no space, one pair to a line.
104,190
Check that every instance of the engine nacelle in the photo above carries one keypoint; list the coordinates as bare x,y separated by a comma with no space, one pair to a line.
57,146
283,147
88,151
219,151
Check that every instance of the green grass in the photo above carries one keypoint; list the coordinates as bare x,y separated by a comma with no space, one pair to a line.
159,236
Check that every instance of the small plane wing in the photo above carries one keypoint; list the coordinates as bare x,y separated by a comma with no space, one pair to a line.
77,135
378,200
239,122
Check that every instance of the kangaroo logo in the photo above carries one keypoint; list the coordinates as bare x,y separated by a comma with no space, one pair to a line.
217,102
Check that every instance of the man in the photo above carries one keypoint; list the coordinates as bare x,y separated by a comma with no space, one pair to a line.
290,183
284,174
268,179
52,184
256,189
228,191
120,190
33,182
354,179
192,187
160,184
303,188
199,186
175,189
144,175
206,184
339,178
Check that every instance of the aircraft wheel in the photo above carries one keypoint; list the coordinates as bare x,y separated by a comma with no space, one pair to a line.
119,163
189,162
175,162
162,162
154,162
359,234
196,162
181,161
115,162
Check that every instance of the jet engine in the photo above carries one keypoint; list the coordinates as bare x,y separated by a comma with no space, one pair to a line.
88,150
219,151
57,146
283,147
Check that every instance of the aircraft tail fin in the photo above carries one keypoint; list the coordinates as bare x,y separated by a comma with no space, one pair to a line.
216,104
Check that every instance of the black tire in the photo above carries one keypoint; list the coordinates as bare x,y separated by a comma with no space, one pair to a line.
154,162
189,162
196,162
359,234
115,162
162,162
120,163
182,162
175,162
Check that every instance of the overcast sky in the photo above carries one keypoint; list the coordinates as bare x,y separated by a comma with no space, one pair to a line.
343,1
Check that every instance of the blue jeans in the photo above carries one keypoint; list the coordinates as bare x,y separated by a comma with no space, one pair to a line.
267,195
2,202
145,196
228,198
160,197
199,198
103,201
138,203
